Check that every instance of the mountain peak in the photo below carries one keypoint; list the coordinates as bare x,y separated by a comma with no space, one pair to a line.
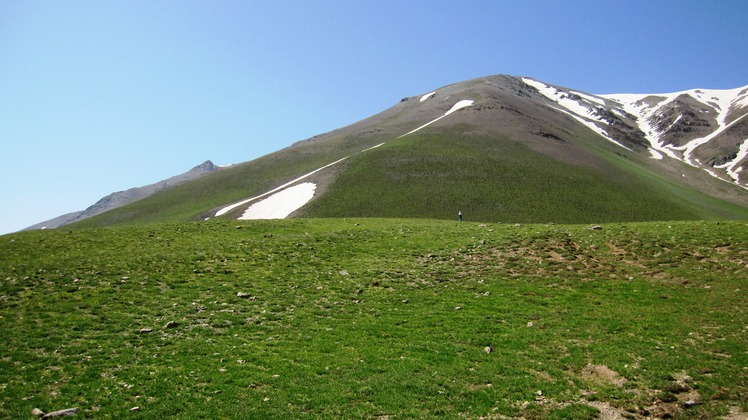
501,148
206,166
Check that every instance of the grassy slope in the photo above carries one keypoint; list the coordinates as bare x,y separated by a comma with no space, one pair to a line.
437,171
352,318
434,174
195,200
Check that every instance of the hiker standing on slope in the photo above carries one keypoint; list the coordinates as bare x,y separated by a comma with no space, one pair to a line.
459,214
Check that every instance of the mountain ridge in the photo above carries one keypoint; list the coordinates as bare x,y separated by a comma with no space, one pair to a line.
122,198
579,137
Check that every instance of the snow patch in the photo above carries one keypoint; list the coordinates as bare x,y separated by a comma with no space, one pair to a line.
733,167
689,147
281,204
373,147
635,105
428,95
566,100
459,105
582,109
249,200
590,98
646,107
282,188
655,154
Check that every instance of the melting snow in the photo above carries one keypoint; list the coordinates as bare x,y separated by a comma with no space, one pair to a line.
281,204
249,200
280,201
373,147
459,105
655,154
284,200
582,109
428,95
590,98
693,144
564,99
647,106
732,167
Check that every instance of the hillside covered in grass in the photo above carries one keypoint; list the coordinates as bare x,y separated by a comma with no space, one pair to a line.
509,155
436,174
385,318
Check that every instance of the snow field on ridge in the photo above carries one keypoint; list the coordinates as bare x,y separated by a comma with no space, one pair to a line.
722,101
579,111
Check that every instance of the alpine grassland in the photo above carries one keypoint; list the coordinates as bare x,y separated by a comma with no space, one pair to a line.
376,318
438,173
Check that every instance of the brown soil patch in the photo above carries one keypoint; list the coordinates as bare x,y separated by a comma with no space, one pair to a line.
736,413
603,375
607,411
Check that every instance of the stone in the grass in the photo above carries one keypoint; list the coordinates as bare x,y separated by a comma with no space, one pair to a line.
61,413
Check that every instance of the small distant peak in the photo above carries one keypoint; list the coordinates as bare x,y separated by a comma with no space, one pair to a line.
206,166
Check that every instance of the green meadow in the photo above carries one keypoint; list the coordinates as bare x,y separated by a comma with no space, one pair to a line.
376,318
495,179
434,174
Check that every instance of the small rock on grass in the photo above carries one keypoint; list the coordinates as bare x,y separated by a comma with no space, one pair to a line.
145,330
61,413
171,324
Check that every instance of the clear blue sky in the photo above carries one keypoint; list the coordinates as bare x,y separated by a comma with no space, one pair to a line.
100,96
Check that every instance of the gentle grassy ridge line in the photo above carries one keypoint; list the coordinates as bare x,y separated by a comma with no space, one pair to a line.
375,317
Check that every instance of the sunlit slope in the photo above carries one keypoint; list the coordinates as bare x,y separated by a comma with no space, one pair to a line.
494,179
493,147
363,318
201,198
